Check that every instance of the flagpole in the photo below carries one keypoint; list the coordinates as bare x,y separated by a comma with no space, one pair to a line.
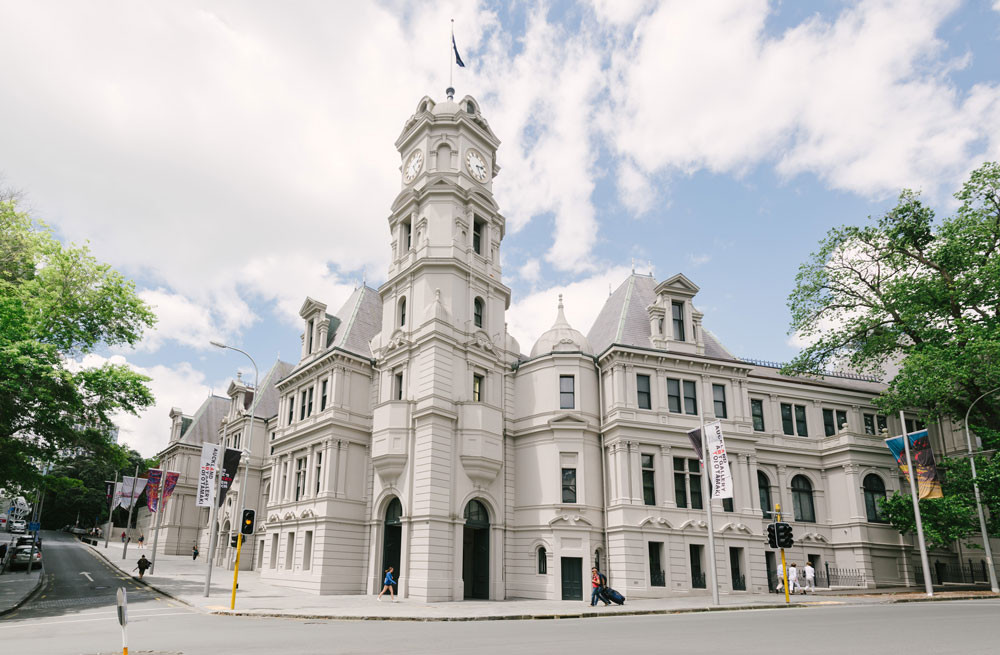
707,499
928,586
451,59
111,508
160,507
131,504
213,514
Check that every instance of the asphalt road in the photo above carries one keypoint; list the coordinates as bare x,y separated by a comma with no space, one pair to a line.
77,616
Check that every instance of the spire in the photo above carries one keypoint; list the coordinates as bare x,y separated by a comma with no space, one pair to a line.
560,316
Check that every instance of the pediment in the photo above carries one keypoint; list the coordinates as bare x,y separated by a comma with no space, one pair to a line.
813,536
310,307
567,420
481,340
656,522
694,524
736,527
568,518
678,284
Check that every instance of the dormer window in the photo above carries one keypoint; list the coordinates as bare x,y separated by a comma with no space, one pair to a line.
309,335
469,107
678,315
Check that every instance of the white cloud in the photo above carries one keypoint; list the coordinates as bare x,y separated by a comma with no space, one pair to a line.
699,260
178,319
530,271
635,189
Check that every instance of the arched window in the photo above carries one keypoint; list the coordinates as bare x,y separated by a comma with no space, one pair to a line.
477,312
543,564
402,312
874,494
470,108
802,499
476,514
597,559
394,512
764,490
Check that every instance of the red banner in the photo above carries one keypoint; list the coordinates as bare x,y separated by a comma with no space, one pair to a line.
169,483
153,488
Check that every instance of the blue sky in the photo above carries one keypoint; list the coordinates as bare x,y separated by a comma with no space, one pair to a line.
234,158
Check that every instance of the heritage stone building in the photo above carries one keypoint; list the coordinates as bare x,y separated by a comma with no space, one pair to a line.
414,433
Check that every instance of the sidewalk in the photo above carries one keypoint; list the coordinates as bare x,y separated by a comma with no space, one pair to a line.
183,579
15,588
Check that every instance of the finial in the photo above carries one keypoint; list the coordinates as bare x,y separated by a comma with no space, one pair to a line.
239,376
450,92
560,301
364,277
633,266
609,289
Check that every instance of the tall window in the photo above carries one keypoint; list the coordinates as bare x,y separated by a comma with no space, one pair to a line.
793,420
319,470
302,406
402,312
673,395
300,477
477,312
543,564
569,485
678,315
407,241
764,491
397,386
833,420
291,408
690,398
477,236
719,397
309,336
642,391
567,392
477,388
322,395
757,413
871,421
648,480
802,499
309,403
874,494
687,482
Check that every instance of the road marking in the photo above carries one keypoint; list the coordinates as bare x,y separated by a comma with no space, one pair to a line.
86,574
27,624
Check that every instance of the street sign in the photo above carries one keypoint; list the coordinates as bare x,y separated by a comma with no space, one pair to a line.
122,607
34,526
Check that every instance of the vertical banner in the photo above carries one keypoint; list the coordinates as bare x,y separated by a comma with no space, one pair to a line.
118,495
153,477
206,476
169,483
230,464
928,481
131,490
721,476
109,489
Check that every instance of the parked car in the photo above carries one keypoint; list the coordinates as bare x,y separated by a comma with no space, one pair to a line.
22,541
18,526
22,555
78,530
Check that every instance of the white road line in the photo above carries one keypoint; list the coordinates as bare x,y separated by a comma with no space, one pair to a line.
86,575
28,624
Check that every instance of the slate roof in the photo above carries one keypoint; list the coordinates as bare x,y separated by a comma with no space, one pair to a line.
205,422
357,322
267,406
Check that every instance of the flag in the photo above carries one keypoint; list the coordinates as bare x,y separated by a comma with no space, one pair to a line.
718,460
131,490
169,483
206,475
109,489
458,57
928,481
152,494
230,464
118,496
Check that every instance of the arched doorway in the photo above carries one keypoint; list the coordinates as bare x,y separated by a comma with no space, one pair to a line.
392,537
476,551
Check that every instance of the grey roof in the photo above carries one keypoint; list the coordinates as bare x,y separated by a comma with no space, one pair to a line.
267,406
358,321
205,422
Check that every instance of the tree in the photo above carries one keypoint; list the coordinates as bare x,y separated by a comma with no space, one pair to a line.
907,290
58,303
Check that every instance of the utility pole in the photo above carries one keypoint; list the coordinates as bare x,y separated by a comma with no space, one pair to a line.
928,584
111,508
132,498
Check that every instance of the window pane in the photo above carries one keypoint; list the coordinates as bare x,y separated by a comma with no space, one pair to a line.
647,461
690,398
680,492
841,419
727,505
828,426
882,423
678,464
800,421
648,487
678,319
569,485
695,482
787,426
674,395
719,398
567,398
642,389
869,423
757,412
542,562
764,491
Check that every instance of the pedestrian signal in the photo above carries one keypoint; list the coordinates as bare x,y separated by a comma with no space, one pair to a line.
784,535
248,518
234,541
772,537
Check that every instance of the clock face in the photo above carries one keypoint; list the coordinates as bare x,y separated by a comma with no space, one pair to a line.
476,164
413,165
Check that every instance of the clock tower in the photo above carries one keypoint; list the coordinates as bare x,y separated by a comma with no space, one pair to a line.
442,358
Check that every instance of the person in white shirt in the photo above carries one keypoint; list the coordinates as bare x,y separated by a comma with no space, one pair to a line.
810,578
793,579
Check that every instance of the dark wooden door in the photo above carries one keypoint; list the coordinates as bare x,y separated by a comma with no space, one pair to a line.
476,562
572,578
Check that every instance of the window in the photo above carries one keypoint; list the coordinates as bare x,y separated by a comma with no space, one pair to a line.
727,503
322,395
309,405
300,477
833,421
567,392
469,107
757,413
477,236
406,236
543,564
477,388
290,551
690,398
397,386
477,312
673,395
307,544
802,499
914,425
319,470
642,391
402,312
874,493
569,485
764,491
793,419
648,480
871,421
291,409
657,578
678,314
302,406
719,396
309,336
687,484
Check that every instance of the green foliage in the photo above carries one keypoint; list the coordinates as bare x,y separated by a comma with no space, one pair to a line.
58,303
908,290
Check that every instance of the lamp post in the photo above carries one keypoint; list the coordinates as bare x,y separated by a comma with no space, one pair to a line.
248,451
979,505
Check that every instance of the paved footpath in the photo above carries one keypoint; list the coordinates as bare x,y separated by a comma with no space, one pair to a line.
16,587
183,579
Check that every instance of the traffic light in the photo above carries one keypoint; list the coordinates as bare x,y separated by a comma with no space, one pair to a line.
772,538
234,541
248,518
784,535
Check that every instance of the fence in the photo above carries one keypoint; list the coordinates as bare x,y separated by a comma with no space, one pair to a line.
828,576
956,572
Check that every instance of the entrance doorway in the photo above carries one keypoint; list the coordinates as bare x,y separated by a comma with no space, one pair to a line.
572,578
476,551
772,570
392,537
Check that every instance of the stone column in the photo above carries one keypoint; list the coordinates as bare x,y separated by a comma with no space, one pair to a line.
783,497
754,503
666,475
774,405
747,487
853,491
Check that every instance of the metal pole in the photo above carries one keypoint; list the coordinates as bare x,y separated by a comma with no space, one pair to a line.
236,567
161,506
979,504
131,505
707,493
37,519
111,508
784,568
212,516
928,585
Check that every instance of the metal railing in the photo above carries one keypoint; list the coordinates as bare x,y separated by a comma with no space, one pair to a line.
968,572
830,374
698,581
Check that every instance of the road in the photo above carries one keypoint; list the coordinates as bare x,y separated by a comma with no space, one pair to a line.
74,615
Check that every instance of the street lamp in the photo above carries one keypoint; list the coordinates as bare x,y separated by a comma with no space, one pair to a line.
979,505
248,450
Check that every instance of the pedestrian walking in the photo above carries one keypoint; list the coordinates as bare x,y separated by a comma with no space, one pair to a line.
194,552
387,585
142,539
793,579
142,565
123,536
810,578
597,583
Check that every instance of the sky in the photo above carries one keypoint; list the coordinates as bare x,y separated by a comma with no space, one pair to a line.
235,157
